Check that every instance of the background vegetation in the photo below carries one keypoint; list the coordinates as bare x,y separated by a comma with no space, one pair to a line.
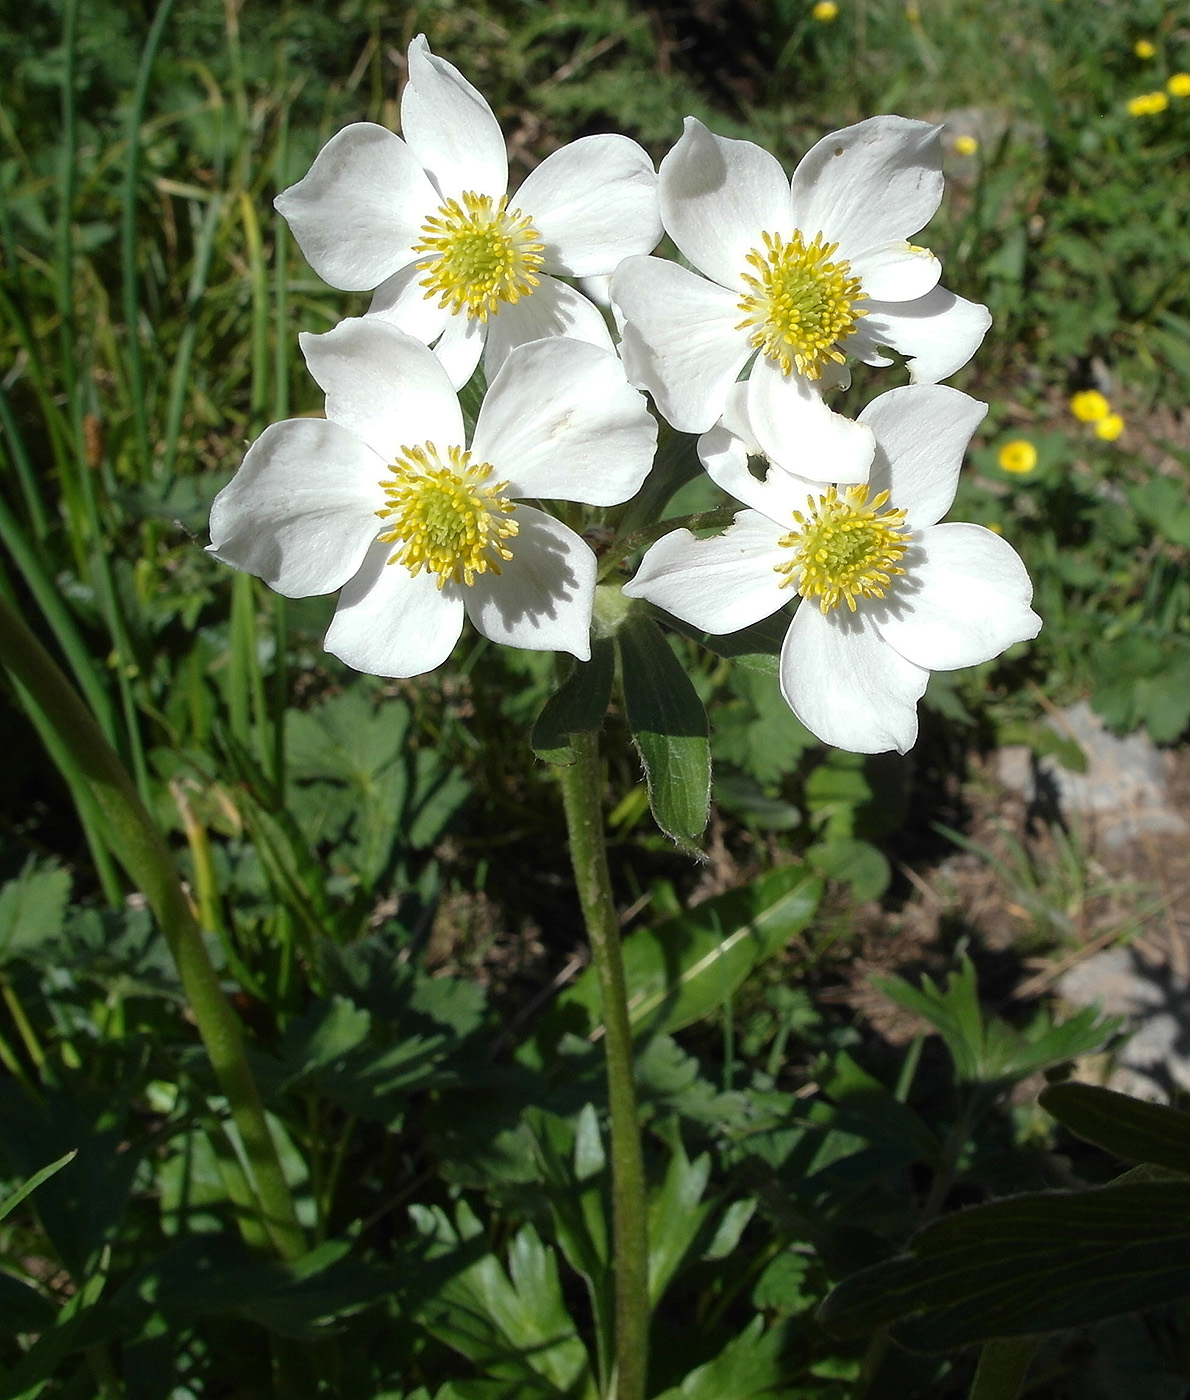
377,864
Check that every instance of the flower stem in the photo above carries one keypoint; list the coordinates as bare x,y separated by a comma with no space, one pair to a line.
144,854
718,519
582,790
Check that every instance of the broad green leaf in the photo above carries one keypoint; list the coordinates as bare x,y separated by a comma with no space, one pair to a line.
512,1323
749,1365
853,862
755,648
32,908
1132,1129
690,965
676,1214
1029,1264
577,706
669,727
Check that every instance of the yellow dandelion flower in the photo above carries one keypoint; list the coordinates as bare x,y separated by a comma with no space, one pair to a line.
1147,104
825,11
1144,48
1018,456
1179,85
966,145
1089,406
1109,428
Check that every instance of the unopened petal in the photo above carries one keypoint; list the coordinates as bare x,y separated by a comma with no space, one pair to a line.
594,202
922,432
450,127
390,623
543,596
965,596
383,386
358,211
301,511
680,339
848,686
552,309
718,197
719,584
588,436
869,184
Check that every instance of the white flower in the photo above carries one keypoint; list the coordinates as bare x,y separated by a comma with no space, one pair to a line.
889,595
428,222
801,276
384,499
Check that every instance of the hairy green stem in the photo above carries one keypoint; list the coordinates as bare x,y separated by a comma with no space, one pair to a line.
582,796
142,850
718,519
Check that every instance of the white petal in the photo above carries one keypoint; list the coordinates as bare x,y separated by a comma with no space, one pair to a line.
358,211
717,198
869,184
594,202
937,333
402,302
964,597
800,433
922,432
450,127
719,584
543,597
301,511
552,309
896,271
389,623
460,346
776,494
846,685
560,421
383,386
679,339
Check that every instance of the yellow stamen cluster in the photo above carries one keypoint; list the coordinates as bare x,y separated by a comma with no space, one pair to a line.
446,516
480,255
801,304
846,547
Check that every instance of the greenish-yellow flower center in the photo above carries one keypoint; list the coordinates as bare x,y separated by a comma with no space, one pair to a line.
479,254
799,302
447,515
845,547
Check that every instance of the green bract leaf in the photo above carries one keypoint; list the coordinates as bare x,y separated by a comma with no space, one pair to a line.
669,726
689,965
1132,1129
1031,1264
577,706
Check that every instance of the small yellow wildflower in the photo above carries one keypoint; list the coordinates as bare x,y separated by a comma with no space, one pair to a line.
1089,406
1147,104
1179,85
1018,456
1144,48
996,528
1109,428
966,145
825,11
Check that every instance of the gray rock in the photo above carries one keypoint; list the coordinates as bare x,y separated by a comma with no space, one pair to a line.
1123,792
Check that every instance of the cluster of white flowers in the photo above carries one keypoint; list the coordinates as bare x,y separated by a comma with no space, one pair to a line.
788,281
